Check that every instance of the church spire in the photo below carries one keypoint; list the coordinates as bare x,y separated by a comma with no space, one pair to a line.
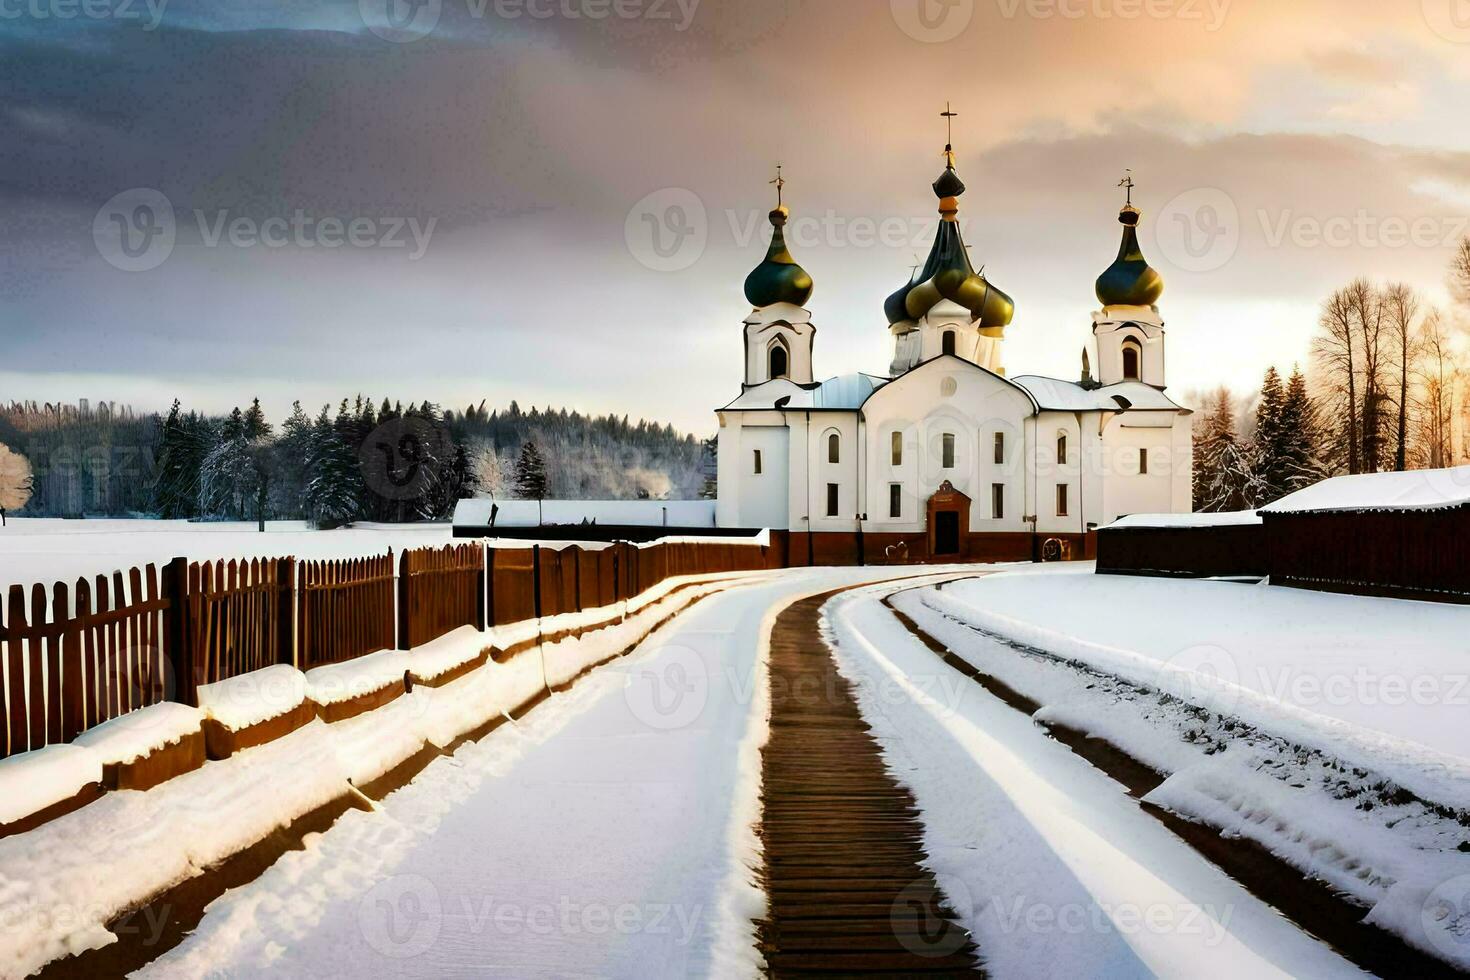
778,279
1130,280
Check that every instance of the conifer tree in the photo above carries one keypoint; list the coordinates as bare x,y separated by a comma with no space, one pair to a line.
530,473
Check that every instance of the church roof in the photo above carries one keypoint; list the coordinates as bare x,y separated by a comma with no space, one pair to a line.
778,279
1068,396
1130,280
844,393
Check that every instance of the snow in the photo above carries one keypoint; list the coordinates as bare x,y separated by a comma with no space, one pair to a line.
239,702
138,733
1228,518
609,832
642,513
843,393
334,683
1066,396
444,653
1409,490
32,781
1297,720
1047,861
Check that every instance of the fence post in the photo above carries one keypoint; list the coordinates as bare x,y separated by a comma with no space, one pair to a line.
286,611
176,646
536,579
490,586
403,605
577,573
480,585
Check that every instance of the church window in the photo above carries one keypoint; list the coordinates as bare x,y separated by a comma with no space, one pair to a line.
1000,448
1143,462
757,462
1061,500
1061,449
896,448
779,360
947,451
834,448
895,500
831,500
947,343
1132,355
997,500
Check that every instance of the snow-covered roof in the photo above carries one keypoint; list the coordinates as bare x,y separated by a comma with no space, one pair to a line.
1068,396
844,393
1410,490
1229,518
643,513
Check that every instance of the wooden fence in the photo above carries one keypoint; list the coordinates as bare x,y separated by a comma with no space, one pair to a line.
1416,554
94,651
439,591
1198,552
82,654
344,610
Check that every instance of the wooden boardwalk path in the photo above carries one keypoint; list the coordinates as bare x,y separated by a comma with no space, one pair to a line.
843,842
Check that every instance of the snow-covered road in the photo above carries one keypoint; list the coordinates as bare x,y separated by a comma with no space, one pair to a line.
608,833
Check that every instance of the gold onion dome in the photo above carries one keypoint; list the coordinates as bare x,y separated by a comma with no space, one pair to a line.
948,274
778,279
1130,280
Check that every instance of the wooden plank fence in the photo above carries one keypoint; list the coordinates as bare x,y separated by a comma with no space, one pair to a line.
76,656
344,610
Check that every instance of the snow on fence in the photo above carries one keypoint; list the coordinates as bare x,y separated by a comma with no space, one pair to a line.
101,649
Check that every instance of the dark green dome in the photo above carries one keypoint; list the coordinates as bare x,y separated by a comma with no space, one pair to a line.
778,279
1130,280
948,274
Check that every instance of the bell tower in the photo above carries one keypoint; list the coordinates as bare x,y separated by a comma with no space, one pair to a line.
778,331
1128,330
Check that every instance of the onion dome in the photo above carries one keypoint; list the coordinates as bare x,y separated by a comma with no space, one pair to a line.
1130,280
778,279
948,274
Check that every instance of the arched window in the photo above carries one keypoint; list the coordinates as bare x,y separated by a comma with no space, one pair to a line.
1132,357
834,448
946,451
947,343
1061,449
780,360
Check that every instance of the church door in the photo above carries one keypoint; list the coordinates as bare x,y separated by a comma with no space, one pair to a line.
947,532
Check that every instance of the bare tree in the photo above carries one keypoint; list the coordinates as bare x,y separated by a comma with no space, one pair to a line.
1460,272
1440,374
1400,319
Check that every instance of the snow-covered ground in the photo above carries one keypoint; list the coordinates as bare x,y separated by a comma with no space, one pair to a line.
609,832
1332,730
1047,861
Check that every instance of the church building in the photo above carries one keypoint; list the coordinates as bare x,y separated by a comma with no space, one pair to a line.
947,454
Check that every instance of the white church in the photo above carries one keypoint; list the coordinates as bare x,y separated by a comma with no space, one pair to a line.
946,454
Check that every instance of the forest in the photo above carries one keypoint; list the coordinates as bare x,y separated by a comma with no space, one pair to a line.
362,461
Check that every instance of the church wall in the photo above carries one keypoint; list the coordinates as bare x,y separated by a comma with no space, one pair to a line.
845,473
1049,471
1129,491
759,499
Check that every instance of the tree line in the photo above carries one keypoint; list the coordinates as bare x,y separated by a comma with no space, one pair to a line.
362,461
1389,389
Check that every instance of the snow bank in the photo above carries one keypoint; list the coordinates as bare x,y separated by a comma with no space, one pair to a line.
445,653
1230,518
239,702
128,737
32,781
335,683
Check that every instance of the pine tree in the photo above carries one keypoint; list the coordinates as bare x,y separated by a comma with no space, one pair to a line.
254,422
1222,474
1268,477
182,447
530,473
334,490
1300,453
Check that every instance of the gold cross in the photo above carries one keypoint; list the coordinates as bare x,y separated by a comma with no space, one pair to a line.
780,182
948,115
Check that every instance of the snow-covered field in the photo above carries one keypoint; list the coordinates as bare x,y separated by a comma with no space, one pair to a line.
1332,730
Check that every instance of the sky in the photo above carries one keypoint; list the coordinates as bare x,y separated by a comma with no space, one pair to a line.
557,201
